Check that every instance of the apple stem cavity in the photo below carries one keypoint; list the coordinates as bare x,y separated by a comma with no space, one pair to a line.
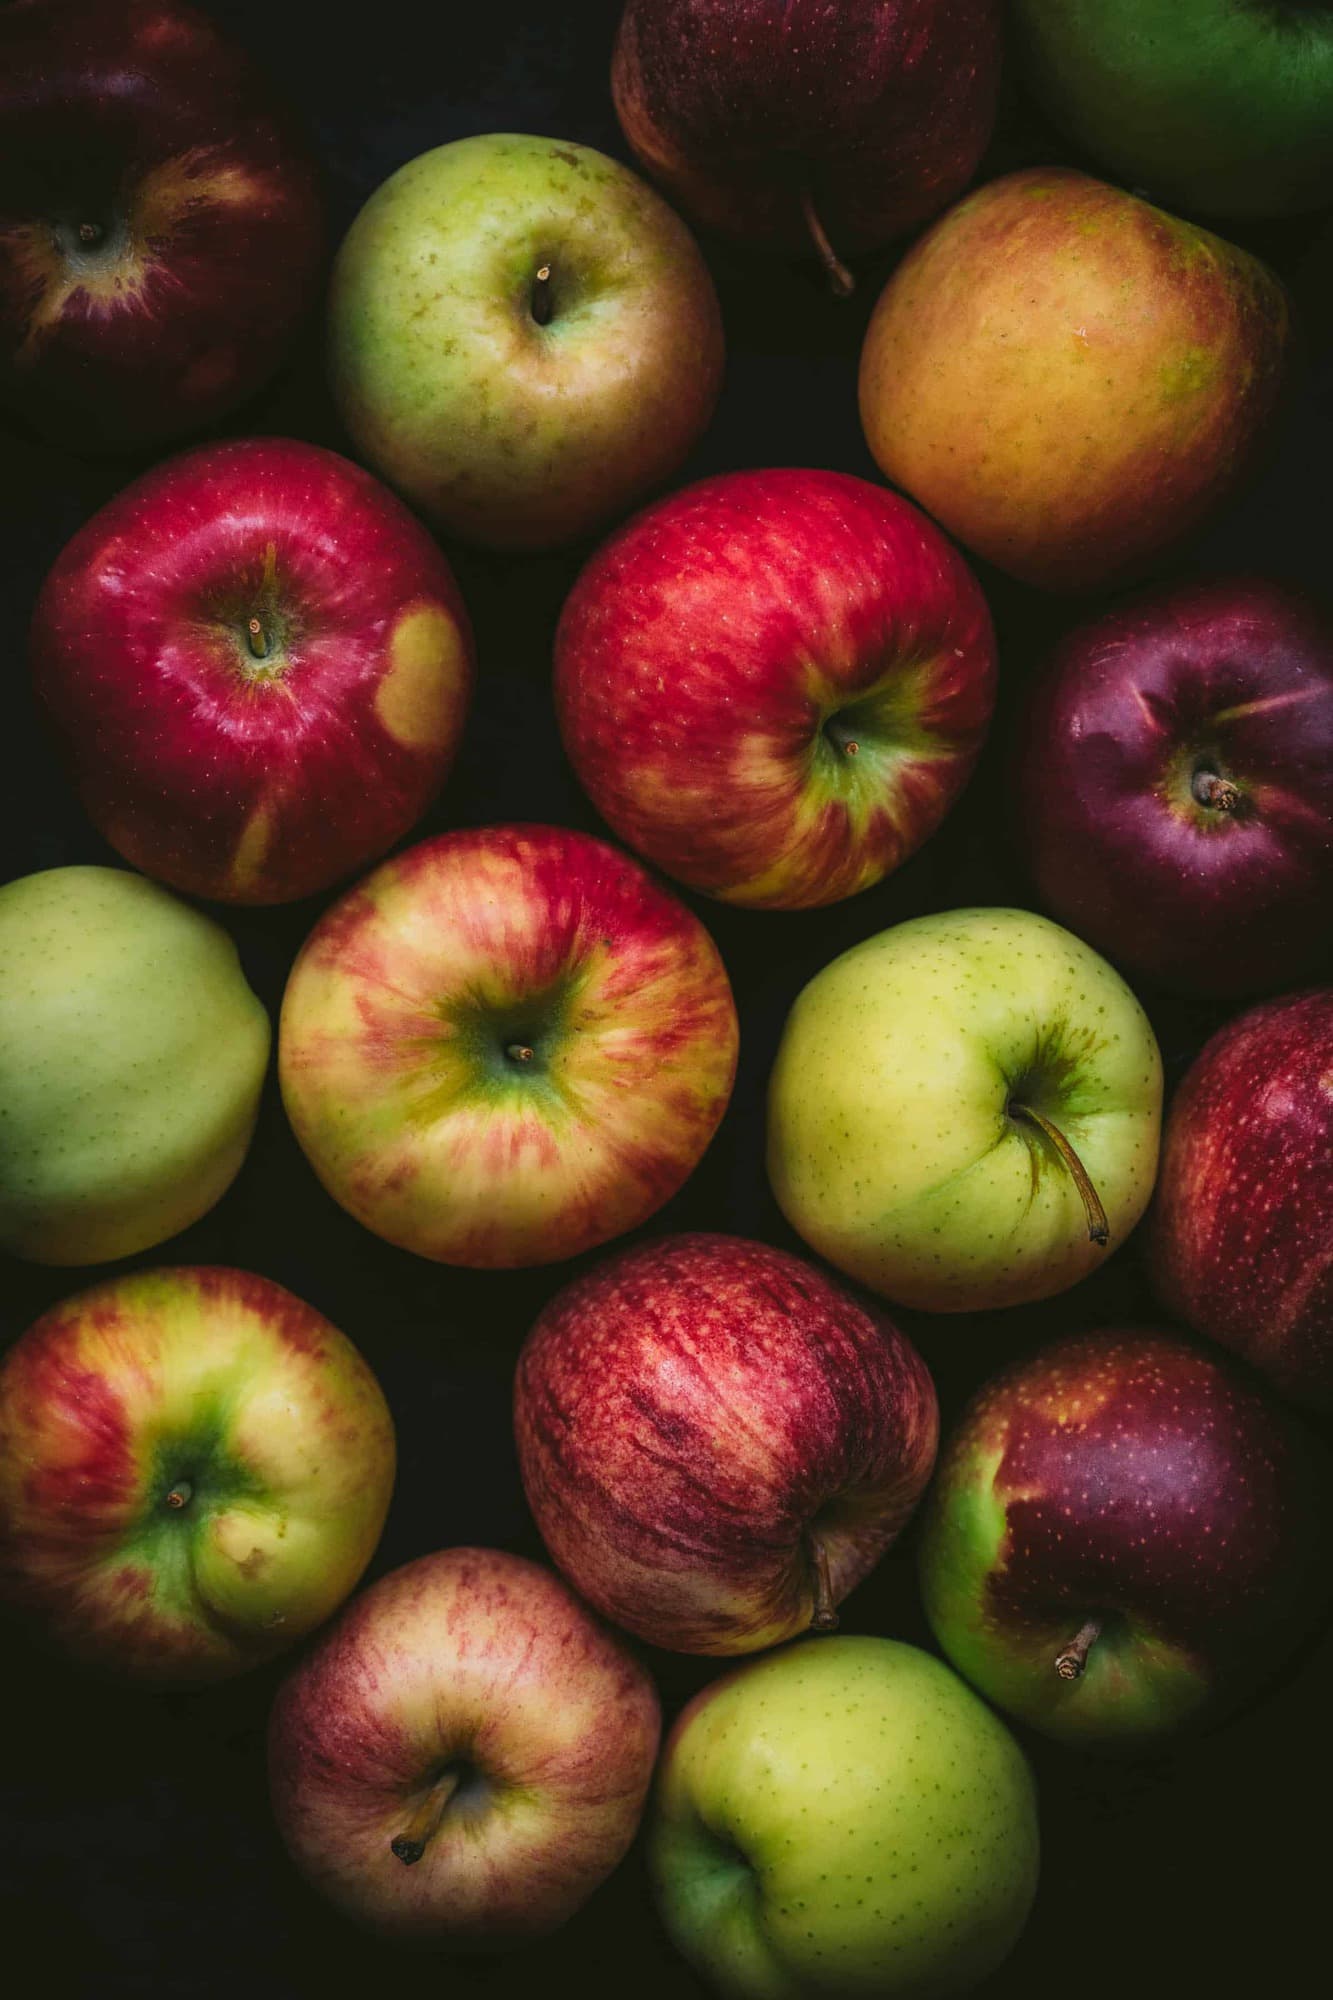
257,639
823,1618
840,278
1070,1663
540,303
180,1494
1215,792
1099,1230
425,1821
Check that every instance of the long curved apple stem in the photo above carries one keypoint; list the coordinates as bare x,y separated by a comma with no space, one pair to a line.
425,1821
1211,790
1070,1663
1099,1229
823,1618
540,302
257,639
840,278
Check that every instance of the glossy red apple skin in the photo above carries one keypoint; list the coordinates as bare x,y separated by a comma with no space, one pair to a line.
482,1663
1177,784
138,119
689,1413
717,657
1240,1235
253,779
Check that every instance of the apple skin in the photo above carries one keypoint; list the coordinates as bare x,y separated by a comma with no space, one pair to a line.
892,1148
132,1056
878,109
195,1467
1123,1477
136,118
690,1414
789,1796
506,1046
716,659
1132,841
1239,1240
212,768
505,431
479,1666
1220,105
1068,379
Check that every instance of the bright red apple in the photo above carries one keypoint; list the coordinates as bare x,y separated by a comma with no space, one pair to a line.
775,684
258,664
718,1442
160,223
465,1755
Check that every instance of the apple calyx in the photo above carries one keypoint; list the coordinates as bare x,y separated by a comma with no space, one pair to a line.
180,1494
841,281
425,1821
823,1618
1210,789
1099,1229
540,302
1069,1663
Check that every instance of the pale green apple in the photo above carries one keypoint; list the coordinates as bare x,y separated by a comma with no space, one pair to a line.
132,1055
843,1817
964,1111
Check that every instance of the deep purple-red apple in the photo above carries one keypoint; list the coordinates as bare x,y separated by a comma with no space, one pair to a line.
718,1442
258,664
1176,784
775,684
160,222
465,1755
1241,1230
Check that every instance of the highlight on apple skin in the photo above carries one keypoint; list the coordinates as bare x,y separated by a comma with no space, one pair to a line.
717,1442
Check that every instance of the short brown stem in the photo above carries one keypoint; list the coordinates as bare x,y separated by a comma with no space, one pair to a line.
90,233
823,1618
540,301
840,278
411,1844
257,639
1099,1229
1070,1663
1215,792
180,1494
519,1052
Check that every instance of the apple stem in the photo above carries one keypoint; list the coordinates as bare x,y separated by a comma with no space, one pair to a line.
823,1618
180,1494
840,278
1216,792
540,302
90,233
258,639
1099,1230
425,1821
1070,1663
519,1052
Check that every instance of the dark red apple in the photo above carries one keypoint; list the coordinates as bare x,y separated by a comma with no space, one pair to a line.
160,222
1241,1230
718,1442
1177,784
258,663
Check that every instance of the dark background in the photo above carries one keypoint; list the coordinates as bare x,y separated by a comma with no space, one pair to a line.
138,1855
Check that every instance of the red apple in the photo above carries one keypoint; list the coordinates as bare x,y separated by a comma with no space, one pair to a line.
194,1471
506,1046
258,664
1241,1230
465,1755
160,223
1177,784
718,1442
775,684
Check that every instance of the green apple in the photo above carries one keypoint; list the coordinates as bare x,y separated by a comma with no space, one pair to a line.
523,338
1225,106
843,1817
964,1111
132,1055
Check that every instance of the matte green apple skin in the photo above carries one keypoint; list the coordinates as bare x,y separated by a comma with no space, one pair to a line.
890,1146
843,1817
506,432
132,1055
1224,106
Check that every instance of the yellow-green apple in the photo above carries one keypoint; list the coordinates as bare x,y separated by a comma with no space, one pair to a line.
465,1755
1240,1238
717,1442
843,1817
194,1471
160,222
805,125
132,1055
240,637
964,1111
1121,1538
1176,784
1069,379
506,1045
775,684
523,338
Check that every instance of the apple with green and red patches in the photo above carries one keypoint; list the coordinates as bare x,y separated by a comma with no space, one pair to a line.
160,223
506,1045
194,1470
1121,1538
465,1755
775,684
258,664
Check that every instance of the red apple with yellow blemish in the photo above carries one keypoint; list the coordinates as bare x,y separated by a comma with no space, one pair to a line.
258,664
160,221
194,1470
465,1755
506,1045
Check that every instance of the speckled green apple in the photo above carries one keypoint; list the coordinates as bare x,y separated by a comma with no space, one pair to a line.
132,1054
843,1817
964,1111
